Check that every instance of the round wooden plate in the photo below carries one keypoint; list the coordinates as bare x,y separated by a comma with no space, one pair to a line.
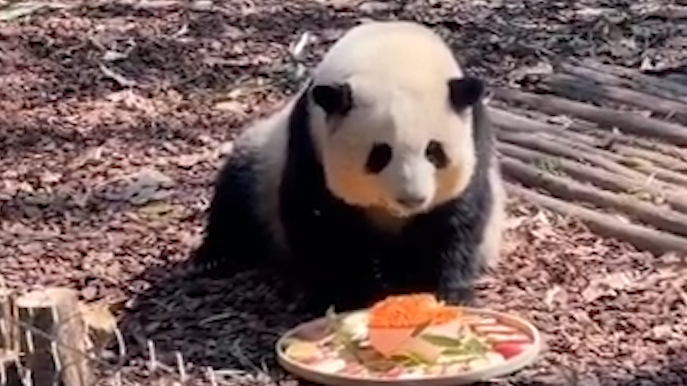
511,365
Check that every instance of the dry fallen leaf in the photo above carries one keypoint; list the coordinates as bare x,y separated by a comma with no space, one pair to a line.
101,323
139,188
609,285
98,316
556,294
159,211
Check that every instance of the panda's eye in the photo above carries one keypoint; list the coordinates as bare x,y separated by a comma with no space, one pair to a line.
379,157
436,155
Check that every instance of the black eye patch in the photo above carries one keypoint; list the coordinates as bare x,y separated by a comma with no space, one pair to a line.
436,155
379,157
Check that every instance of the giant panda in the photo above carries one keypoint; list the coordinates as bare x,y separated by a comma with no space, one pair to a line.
379,177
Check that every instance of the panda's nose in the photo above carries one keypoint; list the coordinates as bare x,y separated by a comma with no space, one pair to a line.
410,201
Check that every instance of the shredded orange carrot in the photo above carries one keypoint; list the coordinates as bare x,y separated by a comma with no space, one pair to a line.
402,311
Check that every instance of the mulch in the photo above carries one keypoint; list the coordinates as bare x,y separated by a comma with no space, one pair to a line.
112,117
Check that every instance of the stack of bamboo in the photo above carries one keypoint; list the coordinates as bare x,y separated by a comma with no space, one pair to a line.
610,159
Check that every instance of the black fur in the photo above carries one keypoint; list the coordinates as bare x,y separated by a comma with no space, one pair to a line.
348,263
340,258
234,239
464,92
335,99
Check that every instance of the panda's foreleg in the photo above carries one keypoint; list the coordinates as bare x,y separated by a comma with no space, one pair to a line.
233,238
332,254
441,251
459,269
470,234
335,274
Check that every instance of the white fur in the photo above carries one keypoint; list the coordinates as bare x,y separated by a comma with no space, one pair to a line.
266,142
399,74
490,248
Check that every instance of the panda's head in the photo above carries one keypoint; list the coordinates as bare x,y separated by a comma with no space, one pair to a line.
404,148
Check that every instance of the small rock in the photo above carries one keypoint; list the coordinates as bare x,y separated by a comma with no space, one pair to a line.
230,106
202,5
89,293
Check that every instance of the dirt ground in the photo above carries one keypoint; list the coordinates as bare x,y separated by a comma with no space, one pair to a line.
113,114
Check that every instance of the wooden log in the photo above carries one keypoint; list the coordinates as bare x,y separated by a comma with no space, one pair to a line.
632,147
539,143
642,238
582,90
567,189
8,324
623,154
627,122
641,79
577,131
516,122
603,77
53,315
599,177
626,154
660,159
634,163
679,78
603,135
581,172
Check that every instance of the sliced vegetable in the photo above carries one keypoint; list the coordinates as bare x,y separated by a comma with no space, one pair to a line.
303,351
509,350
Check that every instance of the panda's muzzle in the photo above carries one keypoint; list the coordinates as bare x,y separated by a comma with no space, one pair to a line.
411,201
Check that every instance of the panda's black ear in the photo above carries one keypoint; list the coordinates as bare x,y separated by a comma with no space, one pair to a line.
335,99
464,92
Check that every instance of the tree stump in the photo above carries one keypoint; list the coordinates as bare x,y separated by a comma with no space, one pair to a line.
9,374
53,338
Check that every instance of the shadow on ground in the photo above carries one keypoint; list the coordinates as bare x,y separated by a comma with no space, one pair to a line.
229,323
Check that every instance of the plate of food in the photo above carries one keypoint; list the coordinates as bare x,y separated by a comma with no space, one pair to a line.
409,340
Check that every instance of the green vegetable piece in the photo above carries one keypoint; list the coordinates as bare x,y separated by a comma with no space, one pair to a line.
442,341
